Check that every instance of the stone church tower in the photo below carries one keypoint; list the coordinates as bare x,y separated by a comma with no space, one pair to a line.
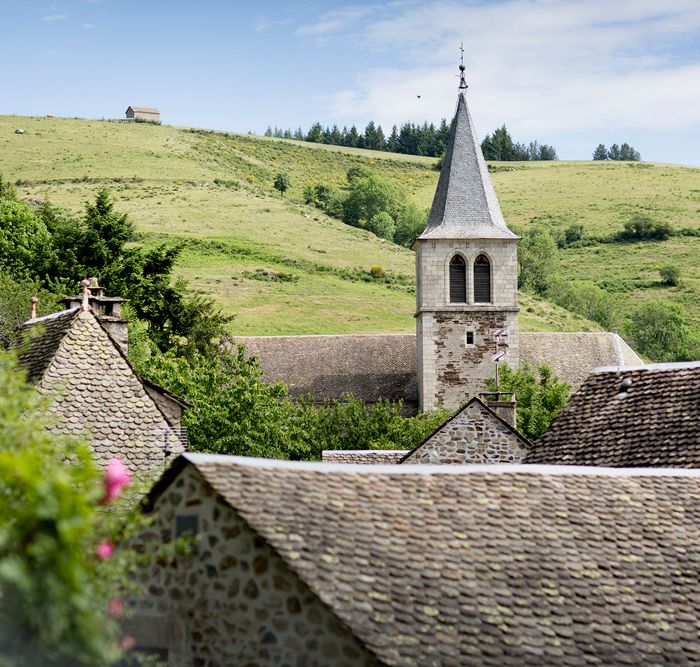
466,275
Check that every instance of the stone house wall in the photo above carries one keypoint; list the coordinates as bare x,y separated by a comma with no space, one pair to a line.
472,436
449,370
233,601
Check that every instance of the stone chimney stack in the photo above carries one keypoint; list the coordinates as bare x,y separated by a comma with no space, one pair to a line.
502,403
34,300
105,308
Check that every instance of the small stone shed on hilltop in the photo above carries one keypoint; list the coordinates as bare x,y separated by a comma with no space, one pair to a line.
144,113
412,566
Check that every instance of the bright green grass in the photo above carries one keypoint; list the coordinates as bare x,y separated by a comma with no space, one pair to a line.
164,177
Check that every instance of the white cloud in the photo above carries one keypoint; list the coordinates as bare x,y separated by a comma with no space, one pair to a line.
87,26
336,21
542,66
52,18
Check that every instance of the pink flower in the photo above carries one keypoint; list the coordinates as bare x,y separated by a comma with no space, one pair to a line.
104,550
128,642
115,607
116,478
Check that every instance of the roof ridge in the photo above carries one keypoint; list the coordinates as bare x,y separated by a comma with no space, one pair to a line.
544,470
660,366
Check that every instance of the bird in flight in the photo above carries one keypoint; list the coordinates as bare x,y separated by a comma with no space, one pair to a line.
418,96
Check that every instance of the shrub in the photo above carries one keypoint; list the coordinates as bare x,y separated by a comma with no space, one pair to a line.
537,261
377,272
645,228
282,183
539,395
383,225
587,299
670,274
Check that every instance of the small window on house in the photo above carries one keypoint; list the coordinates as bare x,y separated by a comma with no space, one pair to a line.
470,338
482,280
458,280
186,525
108,309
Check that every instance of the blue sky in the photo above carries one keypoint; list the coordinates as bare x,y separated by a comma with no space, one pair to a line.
571,73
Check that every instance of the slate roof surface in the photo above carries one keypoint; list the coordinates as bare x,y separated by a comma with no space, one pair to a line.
374,366
143,109
96,392
485,565
363,456
39,339
655,422
465,205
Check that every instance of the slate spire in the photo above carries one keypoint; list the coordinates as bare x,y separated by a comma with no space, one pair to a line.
465,205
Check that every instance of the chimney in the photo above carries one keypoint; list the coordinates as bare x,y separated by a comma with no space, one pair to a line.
502,403
34,300
105,308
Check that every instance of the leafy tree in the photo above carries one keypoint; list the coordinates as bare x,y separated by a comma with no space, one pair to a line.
587,299
54,587
368,196
383,225
25,243
410,223
670,274
282,183
644,228
547,152
600,153
661,331
537,261
539,396
614,152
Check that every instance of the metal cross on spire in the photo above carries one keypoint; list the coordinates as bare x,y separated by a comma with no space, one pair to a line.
462,80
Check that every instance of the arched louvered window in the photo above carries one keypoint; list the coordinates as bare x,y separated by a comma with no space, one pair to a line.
458,280
482,280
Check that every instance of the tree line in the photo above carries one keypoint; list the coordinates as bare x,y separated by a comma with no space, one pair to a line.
425,139
615,152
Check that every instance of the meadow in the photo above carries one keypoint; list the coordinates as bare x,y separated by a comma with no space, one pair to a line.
283,267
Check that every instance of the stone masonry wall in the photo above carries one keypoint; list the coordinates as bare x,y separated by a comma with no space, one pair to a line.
472,436
450,371
234,601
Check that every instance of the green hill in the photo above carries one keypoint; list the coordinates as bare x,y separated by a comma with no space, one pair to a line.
284,267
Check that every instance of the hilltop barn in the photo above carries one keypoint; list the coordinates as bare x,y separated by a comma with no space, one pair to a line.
466,299
143,113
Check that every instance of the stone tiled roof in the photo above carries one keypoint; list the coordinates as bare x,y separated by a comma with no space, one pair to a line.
143,109
640,416
465,205
374,366
39,339
363,456
326,367
485,565
96,392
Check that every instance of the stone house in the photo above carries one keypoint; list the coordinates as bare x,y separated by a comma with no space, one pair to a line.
640,416
466,294
410,566
144,113
475,434
73,358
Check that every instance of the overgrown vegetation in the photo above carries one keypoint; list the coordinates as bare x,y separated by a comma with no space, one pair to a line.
539,395
615,152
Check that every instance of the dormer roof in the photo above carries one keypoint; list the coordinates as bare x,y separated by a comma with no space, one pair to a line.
465,205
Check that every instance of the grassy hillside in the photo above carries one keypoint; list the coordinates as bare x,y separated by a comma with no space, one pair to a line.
284,267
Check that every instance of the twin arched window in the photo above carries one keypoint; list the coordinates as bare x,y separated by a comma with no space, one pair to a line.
458,280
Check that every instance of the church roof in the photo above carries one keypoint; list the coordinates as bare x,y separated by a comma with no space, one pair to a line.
375,366
646,416
483,565
465,205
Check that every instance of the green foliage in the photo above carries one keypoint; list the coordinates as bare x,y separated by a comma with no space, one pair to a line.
24,240
600,153
368,196
324,197
410,223
660,330
53,590
383,225
588,300
15,298
539,396
670,274
282,183
7,190
500,146
537,261
645,228
624,152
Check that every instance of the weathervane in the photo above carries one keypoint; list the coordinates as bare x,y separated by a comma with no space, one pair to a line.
462,80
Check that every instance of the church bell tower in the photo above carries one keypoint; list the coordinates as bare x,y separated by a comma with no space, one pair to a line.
466,275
